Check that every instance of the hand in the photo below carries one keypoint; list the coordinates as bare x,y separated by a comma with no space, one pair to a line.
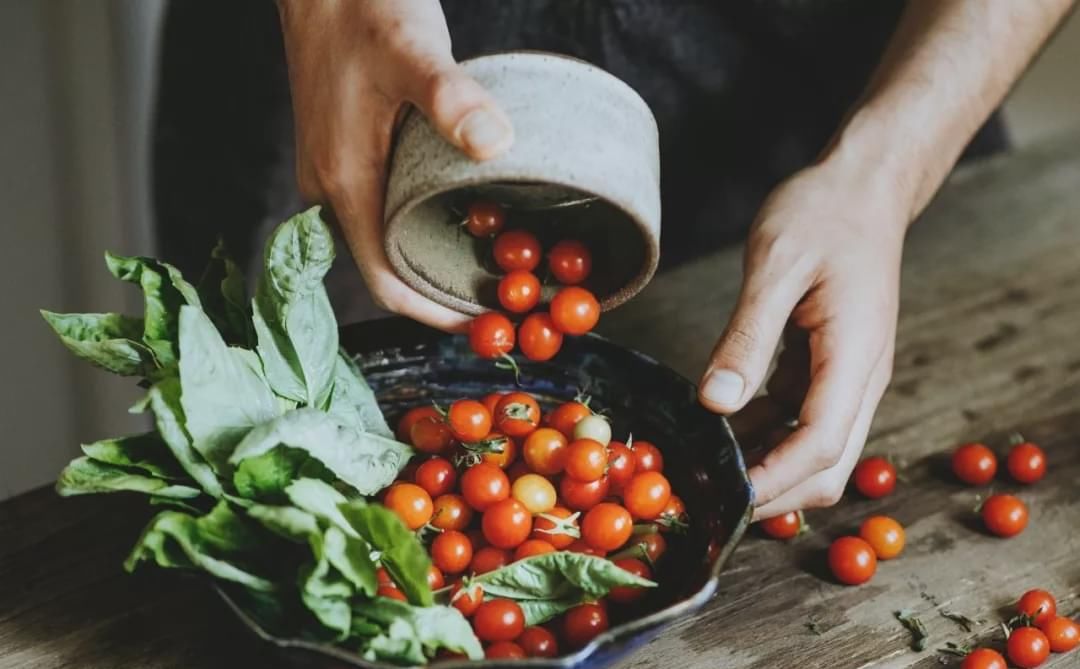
822,269
352,68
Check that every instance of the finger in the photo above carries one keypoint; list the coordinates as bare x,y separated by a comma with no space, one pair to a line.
790,380
841,366
760,415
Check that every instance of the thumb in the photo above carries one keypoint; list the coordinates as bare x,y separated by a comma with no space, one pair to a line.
461,110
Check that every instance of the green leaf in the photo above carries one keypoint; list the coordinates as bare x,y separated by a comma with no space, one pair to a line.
342,568
351,556
367,462
352,401
401,552
109,341
218,543
84,476
539,611
294,322
223,394
223,294
164,401
145,452
285,521
322,500
412,627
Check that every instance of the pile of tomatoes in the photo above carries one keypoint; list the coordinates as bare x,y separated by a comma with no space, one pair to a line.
1035,632
573,311
496,481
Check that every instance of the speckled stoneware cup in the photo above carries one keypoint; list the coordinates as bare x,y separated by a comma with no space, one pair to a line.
584,165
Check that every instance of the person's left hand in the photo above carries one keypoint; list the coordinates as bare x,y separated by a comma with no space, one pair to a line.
822,269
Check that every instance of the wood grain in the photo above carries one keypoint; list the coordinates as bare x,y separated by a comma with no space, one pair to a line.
987,344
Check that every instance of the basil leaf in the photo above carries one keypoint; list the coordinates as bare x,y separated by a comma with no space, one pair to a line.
342,568
367,462
145,452
285,521
353,402
110,341
164,401
351,556
412,628
322,500
84,476
401,552
223,294
223,394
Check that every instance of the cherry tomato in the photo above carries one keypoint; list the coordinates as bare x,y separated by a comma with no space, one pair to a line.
1027,647
875,477
545,451
1026,463
983,658
485,219
488,559
583,495
852,560
450,512
451,551
466,596
490,400
484,484
786,526
469,420
435,579
593,427
517,414
1004,515
885,536
646,495
538,642
621,465
506,524
437,476
404,426
1062,633
581,546
495,449
383,578
574,311
534,492
519,291
647,456
491,335
1039,605
498,620
586,459
538,338
504,650
565,416
391,593
606,526
673,516
516,471
584,623
516,249
531,547
974,464
625,594
431,435
654,544
559,527
411,503
570,262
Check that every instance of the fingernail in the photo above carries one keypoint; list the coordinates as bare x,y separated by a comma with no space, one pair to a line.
723,387
483,131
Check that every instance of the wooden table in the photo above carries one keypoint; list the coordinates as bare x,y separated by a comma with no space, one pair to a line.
988,344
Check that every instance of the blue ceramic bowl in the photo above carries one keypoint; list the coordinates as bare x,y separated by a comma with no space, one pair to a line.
408,365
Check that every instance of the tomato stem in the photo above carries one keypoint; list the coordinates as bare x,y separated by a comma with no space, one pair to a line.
506,361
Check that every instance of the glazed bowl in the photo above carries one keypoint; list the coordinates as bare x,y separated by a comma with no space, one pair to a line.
407,365
584,165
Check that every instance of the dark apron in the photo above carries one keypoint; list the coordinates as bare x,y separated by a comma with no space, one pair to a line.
745,93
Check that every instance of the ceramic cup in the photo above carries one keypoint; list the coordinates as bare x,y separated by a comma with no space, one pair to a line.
584,165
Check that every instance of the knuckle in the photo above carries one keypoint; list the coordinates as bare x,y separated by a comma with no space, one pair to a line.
742,336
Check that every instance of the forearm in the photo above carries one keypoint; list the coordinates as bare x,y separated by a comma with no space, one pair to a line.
948,66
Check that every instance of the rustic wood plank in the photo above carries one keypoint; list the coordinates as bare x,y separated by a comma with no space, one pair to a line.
987,344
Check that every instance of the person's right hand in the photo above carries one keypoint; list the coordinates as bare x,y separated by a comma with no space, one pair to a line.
352,67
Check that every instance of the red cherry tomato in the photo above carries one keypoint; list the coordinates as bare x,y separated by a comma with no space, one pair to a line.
489,558
621,465
647,457
1004,515
451,551
485,219
625,594
785,526
531,547
516,249
565,416
504,650
1062,633
411,503
431,435
506,524
437,476
646,495
404,426
516,471
466,597
885,536
496,449
519,291
450,512
1039,605
538,642
517,414
545,451
559,527
974,464
606,526
875,477
984,658
570,262
673,516
435,579
498,620
1026,463
391,593
852,560
586,460
574,311
538,338
1027,647
469,420
383,578
584,623
582,546
654,544
490,400
484,484
491,335
583,495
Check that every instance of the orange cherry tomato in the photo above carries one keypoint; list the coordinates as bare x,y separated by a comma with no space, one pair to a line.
411,503
646,495
885,536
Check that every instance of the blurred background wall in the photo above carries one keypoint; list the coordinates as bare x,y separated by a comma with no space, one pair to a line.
76,86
